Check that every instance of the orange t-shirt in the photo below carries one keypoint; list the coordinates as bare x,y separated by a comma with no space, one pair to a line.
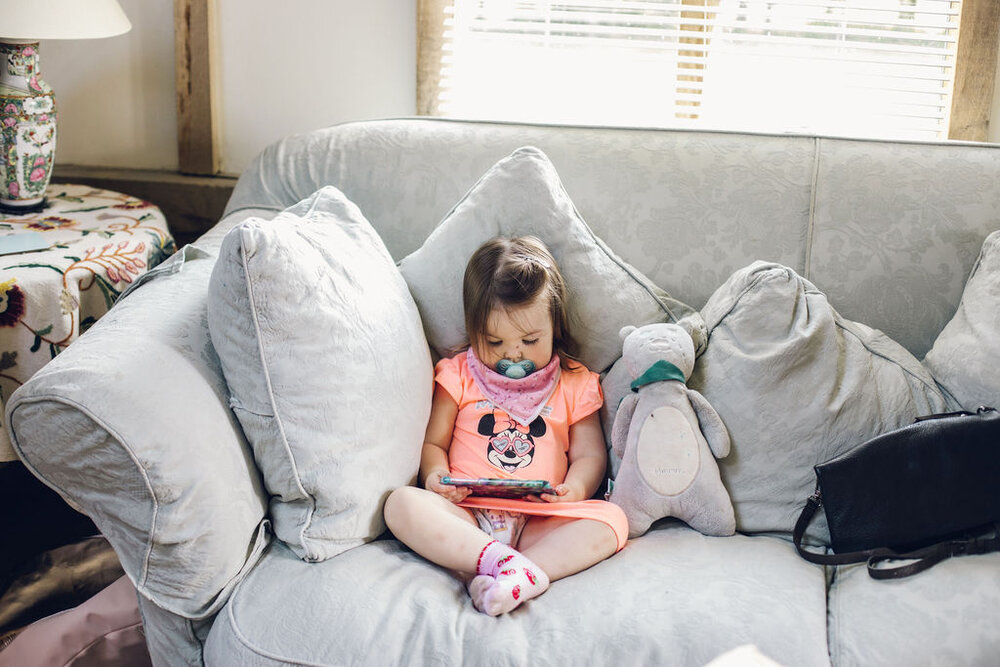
487,442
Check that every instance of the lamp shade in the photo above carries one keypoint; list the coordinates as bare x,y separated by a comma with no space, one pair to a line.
32,20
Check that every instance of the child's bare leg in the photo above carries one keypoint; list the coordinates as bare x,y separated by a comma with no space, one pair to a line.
448,535
563,546
436,528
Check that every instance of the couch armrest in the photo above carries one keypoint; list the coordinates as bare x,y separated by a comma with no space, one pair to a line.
131,425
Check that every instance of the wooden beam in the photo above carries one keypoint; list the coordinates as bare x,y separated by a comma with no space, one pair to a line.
694,45
430,44
197,116
975,70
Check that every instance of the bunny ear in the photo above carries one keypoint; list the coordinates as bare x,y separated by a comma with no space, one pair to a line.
625,331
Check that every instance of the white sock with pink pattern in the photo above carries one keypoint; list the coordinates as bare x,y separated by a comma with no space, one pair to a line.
506,579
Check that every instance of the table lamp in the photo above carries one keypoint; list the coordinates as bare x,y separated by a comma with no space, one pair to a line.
27,105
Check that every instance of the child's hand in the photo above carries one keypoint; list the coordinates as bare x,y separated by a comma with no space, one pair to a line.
564,493
455,494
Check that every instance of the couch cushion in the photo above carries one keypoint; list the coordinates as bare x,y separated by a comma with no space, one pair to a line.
944,616
522,194
671,597
965,356
896,227
114,423
796,384
327,368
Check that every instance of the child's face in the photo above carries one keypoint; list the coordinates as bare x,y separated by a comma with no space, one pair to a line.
518,334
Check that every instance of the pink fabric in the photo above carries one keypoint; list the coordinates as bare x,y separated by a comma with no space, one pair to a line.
597,510
506,579
488,442
524,398
105,630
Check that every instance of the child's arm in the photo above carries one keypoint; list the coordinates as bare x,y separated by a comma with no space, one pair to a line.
588,460
437,442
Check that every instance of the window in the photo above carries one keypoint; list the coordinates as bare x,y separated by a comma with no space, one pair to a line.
876,68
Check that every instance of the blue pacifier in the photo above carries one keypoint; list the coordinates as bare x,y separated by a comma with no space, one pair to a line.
515,369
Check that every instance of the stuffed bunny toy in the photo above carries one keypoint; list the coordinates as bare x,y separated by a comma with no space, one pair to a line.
668,437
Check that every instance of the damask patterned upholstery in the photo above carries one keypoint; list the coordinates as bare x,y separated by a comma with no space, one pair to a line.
889,230
897,228
685,208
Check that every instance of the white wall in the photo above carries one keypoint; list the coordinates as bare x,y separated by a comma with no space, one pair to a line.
316,63
115,96
283,67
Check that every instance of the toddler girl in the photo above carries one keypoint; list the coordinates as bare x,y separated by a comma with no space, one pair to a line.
537,421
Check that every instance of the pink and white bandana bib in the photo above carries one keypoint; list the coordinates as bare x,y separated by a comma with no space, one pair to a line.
523,398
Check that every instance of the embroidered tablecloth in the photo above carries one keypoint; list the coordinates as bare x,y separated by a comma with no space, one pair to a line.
99,242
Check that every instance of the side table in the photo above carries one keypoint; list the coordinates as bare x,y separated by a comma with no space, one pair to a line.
99,241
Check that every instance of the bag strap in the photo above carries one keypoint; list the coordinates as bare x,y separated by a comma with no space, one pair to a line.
932,555
923,558
948,415
813,504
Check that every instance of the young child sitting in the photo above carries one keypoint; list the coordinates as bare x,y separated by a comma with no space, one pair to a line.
483,423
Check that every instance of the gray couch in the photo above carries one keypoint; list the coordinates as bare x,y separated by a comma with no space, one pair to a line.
132,424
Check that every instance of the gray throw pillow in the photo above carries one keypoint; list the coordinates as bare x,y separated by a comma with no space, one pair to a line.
327,366
966,355
796,385
522,195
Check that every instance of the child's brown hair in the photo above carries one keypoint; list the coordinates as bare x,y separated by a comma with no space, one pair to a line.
511,273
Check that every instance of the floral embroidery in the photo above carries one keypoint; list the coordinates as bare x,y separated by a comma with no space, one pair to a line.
99,243
117,261
51,222
67,302
132,205
11,303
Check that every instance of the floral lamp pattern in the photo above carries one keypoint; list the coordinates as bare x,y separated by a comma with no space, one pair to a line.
99,242
27,127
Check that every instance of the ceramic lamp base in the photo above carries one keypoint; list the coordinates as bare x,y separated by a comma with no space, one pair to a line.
27,127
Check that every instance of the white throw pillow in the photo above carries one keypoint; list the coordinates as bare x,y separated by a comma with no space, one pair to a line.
966,355
796,385
522,195
327,366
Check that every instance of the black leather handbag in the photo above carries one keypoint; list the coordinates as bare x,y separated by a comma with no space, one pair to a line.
924,492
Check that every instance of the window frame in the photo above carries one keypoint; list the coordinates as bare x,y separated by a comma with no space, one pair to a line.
975,70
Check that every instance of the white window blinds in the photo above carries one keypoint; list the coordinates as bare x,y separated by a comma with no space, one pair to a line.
876,68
